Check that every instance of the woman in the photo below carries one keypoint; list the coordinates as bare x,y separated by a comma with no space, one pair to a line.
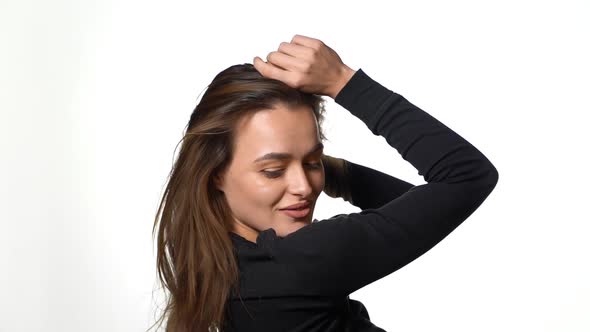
237,247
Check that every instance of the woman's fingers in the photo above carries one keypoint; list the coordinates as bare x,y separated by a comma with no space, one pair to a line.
306,64
282,67
295,56
307,42
296,50
268,69
286,61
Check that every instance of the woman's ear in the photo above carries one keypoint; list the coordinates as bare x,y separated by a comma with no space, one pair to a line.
218,182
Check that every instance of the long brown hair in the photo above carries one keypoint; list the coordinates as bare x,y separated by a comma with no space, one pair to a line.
196,262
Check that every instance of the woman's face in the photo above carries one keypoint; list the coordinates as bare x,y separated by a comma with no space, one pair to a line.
276,163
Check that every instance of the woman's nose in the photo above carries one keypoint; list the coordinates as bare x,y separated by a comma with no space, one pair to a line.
299,183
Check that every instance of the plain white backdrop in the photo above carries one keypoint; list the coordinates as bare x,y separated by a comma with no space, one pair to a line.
95,95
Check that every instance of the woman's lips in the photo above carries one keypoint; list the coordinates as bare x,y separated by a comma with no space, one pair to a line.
297,213
297,206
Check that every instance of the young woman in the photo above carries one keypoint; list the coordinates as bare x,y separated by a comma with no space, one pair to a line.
238,249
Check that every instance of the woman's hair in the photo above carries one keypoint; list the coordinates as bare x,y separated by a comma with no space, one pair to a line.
196,261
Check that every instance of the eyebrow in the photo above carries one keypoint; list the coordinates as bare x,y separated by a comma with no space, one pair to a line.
284,156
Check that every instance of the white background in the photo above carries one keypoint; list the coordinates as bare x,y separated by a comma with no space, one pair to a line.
95,95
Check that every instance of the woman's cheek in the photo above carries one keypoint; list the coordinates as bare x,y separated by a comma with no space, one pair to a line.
267,192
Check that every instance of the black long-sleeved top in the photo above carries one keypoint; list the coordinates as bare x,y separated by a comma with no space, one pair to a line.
302,282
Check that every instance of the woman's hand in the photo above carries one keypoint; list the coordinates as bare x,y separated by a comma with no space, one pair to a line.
306,64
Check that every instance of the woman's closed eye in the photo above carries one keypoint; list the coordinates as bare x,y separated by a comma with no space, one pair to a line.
274,173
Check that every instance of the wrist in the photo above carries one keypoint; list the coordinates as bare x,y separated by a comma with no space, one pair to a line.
345,73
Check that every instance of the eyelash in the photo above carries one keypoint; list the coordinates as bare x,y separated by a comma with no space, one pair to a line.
276,174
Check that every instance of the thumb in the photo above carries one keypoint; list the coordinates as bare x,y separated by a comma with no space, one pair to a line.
267,69
259,64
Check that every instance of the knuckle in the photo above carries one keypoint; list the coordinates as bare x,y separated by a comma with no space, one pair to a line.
297,81
306,67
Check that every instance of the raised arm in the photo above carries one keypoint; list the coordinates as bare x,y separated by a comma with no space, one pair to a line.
336,256
359,185
339,255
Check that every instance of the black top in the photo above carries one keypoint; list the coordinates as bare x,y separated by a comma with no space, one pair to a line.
302,282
